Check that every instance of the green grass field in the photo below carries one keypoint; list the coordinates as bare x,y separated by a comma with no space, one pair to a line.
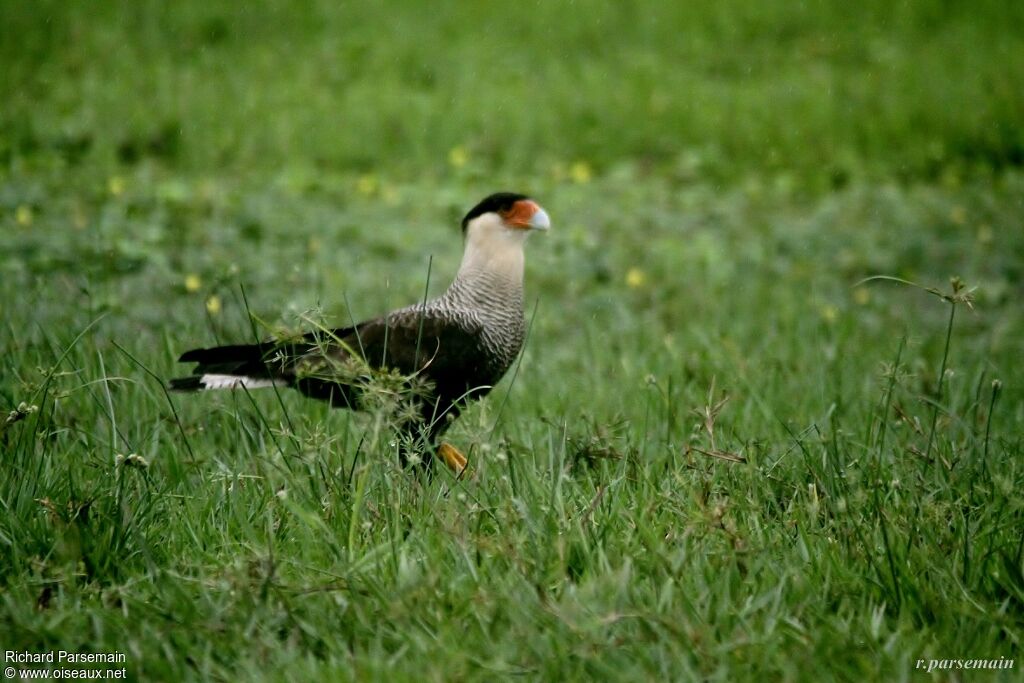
724,456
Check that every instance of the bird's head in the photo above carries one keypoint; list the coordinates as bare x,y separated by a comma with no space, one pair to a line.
504,216
495,230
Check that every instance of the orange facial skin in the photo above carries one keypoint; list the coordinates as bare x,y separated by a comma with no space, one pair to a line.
520,214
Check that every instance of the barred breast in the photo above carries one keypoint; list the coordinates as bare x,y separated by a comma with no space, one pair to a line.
483,301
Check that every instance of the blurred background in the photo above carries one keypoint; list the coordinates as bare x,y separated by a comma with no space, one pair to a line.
814,94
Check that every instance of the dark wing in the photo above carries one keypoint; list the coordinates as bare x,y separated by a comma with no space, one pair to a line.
269,360
446,354
335,365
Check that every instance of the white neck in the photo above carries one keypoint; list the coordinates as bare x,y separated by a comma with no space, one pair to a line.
493,249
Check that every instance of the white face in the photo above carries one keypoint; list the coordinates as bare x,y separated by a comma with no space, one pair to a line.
494,240
514,223
492,229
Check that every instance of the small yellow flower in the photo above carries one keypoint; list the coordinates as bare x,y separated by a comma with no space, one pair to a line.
950,178
192,282
207,189
367,184
635,278
213,305
829,313
985,234
23,214
116,185
861,296
581,172
78,217
458,156
958,215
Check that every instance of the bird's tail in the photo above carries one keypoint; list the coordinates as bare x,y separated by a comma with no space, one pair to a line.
230,367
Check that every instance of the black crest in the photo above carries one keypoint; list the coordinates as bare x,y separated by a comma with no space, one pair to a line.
497,202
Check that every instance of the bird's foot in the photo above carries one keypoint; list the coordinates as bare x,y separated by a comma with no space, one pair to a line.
452,457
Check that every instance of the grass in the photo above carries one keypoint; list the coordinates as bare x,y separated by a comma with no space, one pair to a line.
725,456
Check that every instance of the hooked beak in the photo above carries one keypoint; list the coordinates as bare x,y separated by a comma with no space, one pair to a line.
540,220
527,215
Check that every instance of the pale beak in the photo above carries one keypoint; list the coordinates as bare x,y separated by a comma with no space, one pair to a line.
526,214
539,220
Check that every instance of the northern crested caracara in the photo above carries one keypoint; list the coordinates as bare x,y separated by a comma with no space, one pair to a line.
440,353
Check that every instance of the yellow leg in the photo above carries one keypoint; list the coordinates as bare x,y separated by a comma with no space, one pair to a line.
452,457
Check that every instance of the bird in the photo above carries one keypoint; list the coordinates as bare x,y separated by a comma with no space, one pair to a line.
437,355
